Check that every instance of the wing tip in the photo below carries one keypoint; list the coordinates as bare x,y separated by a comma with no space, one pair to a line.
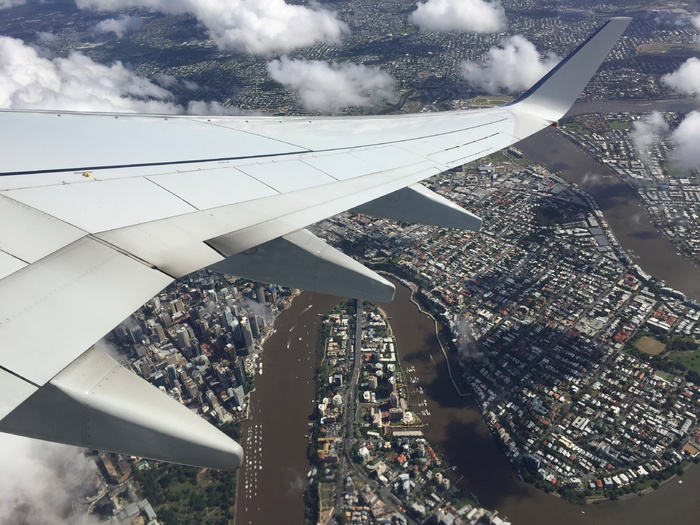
556,91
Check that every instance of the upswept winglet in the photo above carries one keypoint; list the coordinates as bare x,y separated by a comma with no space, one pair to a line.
556,92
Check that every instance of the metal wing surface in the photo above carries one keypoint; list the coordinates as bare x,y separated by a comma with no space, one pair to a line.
102,211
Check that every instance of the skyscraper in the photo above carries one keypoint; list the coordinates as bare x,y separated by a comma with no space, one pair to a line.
247,334
254,328
259,293
182,337
239,371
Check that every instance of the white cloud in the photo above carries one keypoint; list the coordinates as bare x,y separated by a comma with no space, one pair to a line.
255,26
77,83
685,139
478,16
6,4
120,26
199,107
513,67
29,81
686,79
40,479
329,87
647,132
46,38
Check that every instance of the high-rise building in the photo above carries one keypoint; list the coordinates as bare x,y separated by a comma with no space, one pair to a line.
121,334
165,319
229,317
202,327
238,395
191,388
236,330
231,351
394,399
146,370
135,335
158,379
222,374
259,293
239,370
373,383
196,348
182,337
261,322
159,333
177,306
254,328
171,375
247,335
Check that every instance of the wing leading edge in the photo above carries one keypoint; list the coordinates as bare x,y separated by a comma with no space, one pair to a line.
106,215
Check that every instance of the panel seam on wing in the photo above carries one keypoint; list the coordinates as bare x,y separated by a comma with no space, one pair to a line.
149,179
18,376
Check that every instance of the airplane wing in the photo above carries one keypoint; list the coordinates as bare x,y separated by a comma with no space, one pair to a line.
100,212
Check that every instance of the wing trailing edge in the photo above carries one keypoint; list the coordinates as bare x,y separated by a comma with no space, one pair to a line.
302,260
96,403
418,204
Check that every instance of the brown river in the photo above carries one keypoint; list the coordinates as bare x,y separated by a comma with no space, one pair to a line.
272,481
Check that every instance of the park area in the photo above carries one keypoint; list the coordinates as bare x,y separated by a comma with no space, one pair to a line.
649,345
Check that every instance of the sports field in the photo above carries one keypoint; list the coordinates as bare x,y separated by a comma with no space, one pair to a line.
649,345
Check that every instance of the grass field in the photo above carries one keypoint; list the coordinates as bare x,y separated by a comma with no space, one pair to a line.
664,375
689,359
327,492
484,101
618,124
673,171
649,345
667,49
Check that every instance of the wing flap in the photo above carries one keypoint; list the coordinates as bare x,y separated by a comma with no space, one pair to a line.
95,403
175,246
29,234
13,391
55,309
10,264
302,260
417,203
212,188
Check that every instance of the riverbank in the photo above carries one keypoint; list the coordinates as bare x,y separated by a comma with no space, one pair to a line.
459,432
273,478
384,466
619,203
